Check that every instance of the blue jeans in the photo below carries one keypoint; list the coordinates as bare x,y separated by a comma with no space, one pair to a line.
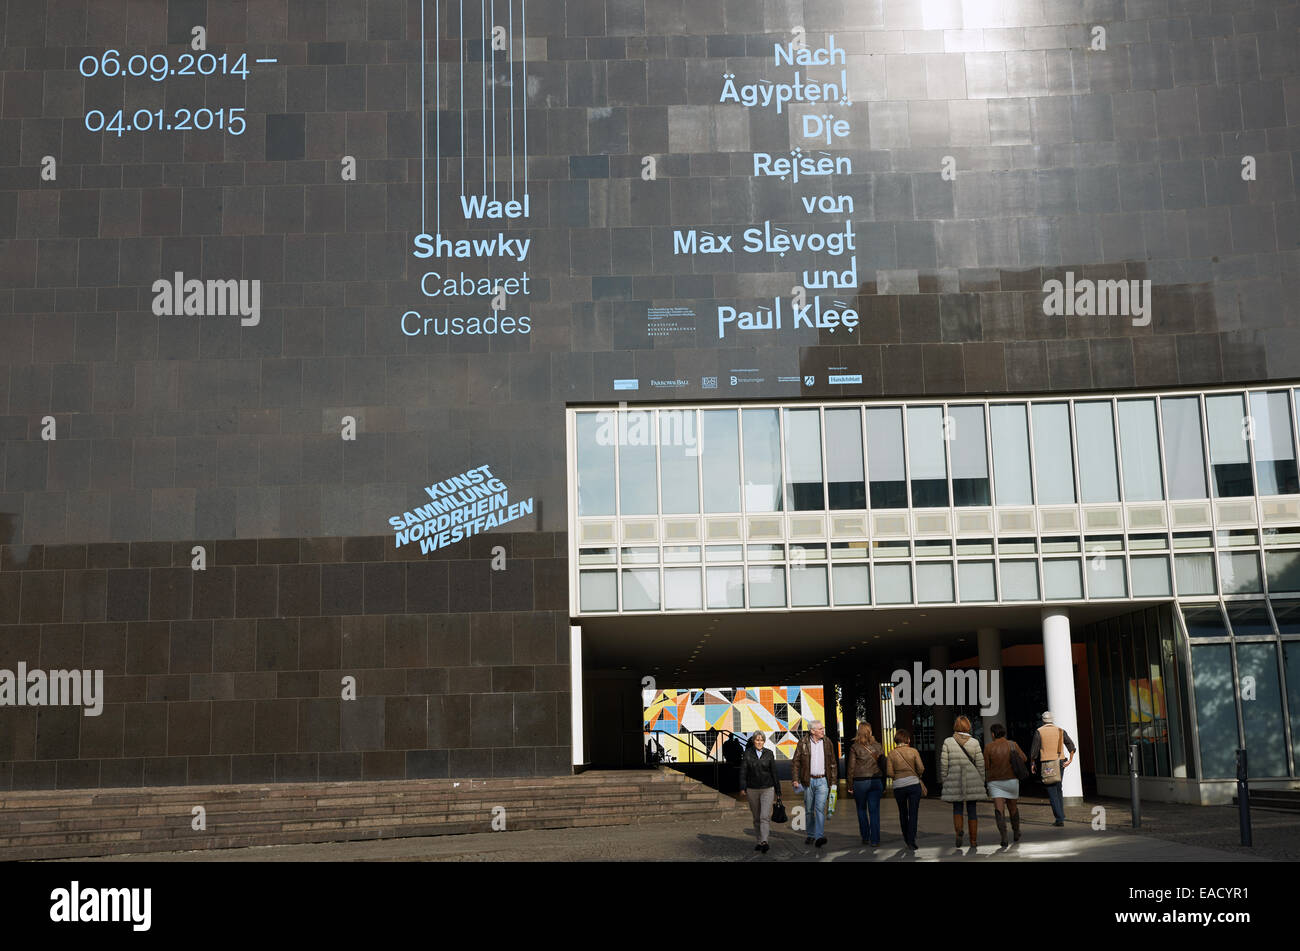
814,805
909,807
867,793
1057,798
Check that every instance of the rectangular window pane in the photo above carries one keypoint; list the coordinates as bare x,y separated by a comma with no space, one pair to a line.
1097,482
766,587
844,470
803,460
595,437
682,589
762,460
975,578
1062,578
1262,716
597,591
1011,454
808,586
1150,576
1283,570
970,464
925,456
679,461
885,458
934,583
1240,572
641,589
1216,712
1140,447
1053,455
1019,580
852,584
1106,577
726,587
720,457
1291,660
638,483
1184,449
1229,456
1275,469
1194,574
893,584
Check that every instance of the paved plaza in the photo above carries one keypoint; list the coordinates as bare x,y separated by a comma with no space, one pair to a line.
1170,833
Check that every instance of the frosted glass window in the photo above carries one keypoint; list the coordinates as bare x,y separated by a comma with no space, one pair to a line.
1262,716
597,591
679,461
720,458
1096,434
808,586
1151,577
1140,448
638,482
1053,455
641,589
725,587
1106,577
682,589
885,458
1011,454
762,460
852,584
766,587
595,437
1062,578
803,460
1019,580
1184,450
1229,453
975,579
844,470
1194,574
1283,572
893,584
1240,572
925,455
970,463
1275,469
934,583
1216,712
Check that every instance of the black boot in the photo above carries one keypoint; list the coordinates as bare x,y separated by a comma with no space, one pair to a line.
1001,820
1015,826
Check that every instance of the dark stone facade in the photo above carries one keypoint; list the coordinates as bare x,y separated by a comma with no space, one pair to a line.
174,432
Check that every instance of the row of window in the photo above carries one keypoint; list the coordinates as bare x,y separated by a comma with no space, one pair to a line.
808,584
838,457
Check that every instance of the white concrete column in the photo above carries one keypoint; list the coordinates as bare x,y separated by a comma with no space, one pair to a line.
943,716
1058,668
576,739
990,641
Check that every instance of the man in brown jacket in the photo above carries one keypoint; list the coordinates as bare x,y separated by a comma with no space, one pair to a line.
815,767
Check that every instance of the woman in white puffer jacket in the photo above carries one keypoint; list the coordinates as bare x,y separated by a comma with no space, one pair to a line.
961,766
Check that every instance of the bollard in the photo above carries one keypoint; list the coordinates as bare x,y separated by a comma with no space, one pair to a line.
1133,785
1243,798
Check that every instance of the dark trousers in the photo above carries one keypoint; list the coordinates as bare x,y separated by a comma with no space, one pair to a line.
1057,799
867,793
909,807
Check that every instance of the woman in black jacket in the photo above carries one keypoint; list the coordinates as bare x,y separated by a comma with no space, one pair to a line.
758,772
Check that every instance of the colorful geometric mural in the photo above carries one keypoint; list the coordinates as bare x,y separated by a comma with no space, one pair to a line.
687,723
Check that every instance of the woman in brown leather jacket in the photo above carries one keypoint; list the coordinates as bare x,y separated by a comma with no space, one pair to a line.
862,770
1004,787
904,767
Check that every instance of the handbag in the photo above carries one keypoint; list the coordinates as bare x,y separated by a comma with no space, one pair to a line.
778,812
1018,765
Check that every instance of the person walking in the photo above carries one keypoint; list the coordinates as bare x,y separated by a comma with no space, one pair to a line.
862,768
1006,764
961,764
760,786
815,768
903,765
1046,753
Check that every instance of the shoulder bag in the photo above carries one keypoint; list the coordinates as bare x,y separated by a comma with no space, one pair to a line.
1050,769
1018,765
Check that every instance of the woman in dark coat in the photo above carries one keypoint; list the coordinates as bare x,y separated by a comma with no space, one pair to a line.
760,786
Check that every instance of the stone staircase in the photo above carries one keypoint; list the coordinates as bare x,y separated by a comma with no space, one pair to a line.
61,823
